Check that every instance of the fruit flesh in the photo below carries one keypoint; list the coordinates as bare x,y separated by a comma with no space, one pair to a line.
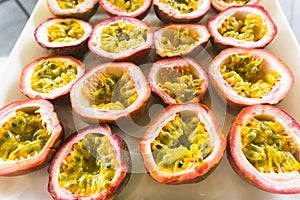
90,166
183,6
237,1
245,74
180,83
182,143
65,31
69,4
121,36
108,91
268,146
51,74
178,40
127,6
23,136
248,28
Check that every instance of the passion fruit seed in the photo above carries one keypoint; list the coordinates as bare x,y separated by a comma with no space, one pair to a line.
23,136
178,40
181,143
65,31
237,1
180,83
268,146
121,36
246,75
108,91
90,167
69,4
183,6
250,28
51,74
128,6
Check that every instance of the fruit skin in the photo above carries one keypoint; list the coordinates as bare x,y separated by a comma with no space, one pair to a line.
41,159
132,55
279,91
201,30
281,184
220,5
124,164
168,15
170,63
76,49
95,115
25,78
84,12
195,173
114,11
220,42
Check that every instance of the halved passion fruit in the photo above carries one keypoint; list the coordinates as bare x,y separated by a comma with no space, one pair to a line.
135,8
121,38
81,9
63,36
183,144
264,148
110,91
221,5
50,77
30,133
248,26
180,39
250,76
93,163
178,80
181,11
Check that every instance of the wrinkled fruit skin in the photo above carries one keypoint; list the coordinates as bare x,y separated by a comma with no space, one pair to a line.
195,172
284,183
33,163
220,5
120,179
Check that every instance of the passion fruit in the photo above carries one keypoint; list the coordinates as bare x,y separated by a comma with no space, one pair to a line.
92,164
121,38
110,92
81,9
180,39
264,148
178,11
248,26
178,80
221,5
63,36
250,76
183,144
50,77
136,8
30,133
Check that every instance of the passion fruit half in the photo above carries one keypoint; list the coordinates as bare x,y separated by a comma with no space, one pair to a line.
264,148
50,77
180,39
110,92
63,36
81,9
250,76
92,164
221,5
121,38
178,11
183,144
136,8
178,80
248,26
30,133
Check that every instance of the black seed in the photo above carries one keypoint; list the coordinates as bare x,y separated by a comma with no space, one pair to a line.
107,166
158,146
180,164
13,124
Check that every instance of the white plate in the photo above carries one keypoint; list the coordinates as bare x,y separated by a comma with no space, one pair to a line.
223,183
